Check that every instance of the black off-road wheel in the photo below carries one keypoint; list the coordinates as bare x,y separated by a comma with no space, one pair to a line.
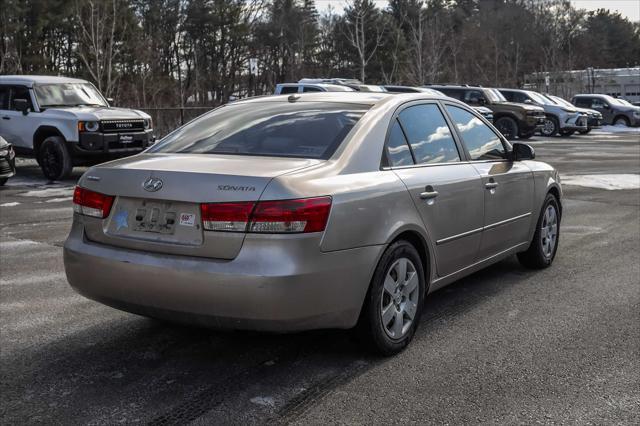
54,158
544,245
508,127
393,304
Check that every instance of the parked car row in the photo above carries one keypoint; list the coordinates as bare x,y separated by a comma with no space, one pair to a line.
517,113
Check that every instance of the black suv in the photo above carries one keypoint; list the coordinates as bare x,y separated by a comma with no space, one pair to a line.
512,119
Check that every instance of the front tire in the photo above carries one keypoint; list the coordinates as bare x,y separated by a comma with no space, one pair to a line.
544,245
566,133
584,132
393,305
3,181
508,127
550,127
54,158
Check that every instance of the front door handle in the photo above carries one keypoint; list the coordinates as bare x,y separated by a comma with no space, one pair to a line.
491,185
427,195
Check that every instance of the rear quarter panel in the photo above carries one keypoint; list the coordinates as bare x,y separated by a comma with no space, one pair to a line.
545,178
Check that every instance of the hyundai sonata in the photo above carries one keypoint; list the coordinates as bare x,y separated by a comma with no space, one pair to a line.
327,210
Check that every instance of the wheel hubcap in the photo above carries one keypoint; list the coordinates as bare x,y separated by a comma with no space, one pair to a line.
400,297
548,127
549,231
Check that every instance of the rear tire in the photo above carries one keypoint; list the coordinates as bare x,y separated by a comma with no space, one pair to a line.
544,245
567,133
3,181
621,121
507,126
54,158
584,132
393,304
550,127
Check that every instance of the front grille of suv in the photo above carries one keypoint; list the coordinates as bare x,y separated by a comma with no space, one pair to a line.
112,126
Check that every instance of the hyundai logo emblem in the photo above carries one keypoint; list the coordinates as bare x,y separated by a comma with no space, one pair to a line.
152,184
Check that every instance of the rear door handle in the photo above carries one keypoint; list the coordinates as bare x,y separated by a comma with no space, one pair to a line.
491,185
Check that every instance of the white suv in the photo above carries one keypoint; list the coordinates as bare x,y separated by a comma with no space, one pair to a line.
66,122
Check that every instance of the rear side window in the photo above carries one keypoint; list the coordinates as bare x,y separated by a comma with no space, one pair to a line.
452,93
481,142
276,129
428,134
398,153
311,89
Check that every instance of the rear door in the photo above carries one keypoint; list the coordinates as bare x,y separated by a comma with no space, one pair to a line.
446,191
508,185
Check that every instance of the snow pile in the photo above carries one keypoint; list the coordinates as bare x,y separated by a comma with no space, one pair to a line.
609,182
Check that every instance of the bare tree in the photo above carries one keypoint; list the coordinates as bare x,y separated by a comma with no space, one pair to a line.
362,21
96,27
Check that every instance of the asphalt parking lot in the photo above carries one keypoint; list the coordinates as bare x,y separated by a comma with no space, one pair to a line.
505,345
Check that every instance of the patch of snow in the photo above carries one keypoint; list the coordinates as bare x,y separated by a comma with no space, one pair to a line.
617,129
12,204
265,401
58,200
49,192
608,182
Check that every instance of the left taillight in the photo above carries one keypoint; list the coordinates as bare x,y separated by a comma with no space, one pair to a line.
91,203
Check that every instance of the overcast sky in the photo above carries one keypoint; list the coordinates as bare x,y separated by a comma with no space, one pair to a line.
628,8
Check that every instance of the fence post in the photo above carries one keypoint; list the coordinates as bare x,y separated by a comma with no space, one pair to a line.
181,116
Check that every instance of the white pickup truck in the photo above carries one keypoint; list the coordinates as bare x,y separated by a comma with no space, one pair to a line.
66,122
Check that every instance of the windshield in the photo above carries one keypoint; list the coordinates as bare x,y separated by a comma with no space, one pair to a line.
562,102
622,102
537,97
275,129
68,94
494,95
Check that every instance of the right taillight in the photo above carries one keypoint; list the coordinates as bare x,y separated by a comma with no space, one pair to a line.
91,203
270,217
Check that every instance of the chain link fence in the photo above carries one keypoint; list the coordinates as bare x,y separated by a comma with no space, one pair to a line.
166,119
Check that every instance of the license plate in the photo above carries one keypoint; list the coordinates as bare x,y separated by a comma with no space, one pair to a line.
126,138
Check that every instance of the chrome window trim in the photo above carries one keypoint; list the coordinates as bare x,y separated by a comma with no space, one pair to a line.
484,228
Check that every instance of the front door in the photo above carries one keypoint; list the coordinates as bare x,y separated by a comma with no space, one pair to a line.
446,191
508,185
16,127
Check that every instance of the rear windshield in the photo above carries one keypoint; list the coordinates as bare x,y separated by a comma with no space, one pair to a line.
275,129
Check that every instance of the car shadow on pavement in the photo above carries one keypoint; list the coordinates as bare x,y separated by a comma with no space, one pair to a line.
150,370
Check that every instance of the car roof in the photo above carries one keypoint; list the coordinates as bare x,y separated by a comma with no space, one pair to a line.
30,80
367,98
336,87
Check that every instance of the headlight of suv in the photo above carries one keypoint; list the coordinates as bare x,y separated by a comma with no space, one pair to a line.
88,126
147,123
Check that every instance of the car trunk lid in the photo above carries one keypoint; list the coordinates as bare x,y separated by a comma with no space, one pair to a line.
158,197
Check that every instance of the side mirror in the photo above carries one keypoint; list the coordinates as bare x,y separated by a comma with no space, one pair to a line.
110,101
522,151
21,105
606,106
528,101
482,101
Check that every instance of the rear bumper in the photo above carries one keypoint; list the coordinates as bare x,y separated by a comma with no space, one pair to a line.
280,285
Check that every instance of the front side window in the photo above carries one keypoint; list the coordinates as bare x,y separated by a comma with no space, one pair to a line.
473,97
311,89
275,129
597,103
20,92
4,97
285,90
583,102
481,142
398,152
68,94
428,134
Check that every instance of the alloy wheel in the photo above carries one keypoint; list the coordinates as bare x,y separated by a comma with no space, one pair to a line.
399,302
549,127
549,231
